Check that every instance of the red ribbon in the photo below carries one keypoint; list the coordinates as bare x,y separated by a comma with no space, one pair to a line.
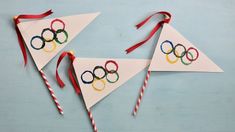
20,38
167,19
70,72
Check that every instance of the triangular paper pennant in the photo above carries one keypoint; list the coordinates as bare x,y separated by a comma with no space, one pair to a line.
45,38
99,77
175,53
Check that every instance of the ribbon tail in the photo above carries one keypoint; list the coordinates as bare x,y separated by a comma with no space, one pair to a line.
16,20
73,80
70,72
132,48
154,30
59,80
144,21
149,17
22,46
34,16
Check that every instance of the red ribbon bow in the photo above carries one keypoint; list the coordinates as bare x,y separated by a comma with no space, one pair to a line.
167,19
70,72
20,38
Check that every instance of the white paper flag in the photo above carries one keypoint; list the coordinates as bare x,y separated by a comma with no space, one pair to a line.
175,53
98,77
46,38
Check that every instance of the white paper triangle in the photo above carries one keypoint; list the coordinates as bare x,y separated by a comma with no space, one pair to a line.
159,61
127,68
73,26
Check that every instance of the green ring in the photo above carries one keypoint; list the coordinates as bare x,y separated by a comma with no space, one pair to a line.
183,60
65,33
112,72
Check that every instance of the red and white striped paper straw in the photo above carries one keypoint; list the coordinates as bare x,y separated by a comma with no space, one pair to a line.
92,121
141,93
52,93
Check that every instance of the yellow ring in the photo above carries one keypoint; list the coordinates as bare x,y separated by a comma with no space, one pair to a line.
172,61
98,89
52,49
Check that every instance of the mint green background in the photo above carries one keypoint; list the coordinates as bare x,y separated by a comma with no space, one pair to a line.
174,102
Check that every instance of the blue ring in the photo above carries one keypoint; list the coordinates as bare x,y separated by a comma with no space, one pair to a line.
167,41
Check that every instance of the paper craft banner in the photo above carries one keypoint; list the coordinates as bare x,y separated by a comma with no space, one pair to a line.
45,38
175,53
99,77
172,53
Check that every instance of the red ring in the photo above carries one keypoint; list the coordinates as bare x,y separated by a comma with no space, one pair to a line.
57,20
111,71
191,48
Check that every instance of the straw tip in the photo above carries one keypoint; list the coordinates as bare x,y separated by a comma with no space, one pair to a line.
134,113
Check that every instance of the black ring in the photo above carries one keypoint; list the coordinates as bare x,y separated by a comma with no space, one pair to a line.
45,39
182,54
171,44
87,82
99,67
37,37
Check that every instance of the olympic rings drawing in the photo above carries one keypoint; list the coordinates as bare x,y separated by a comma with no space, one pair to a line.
89,81
97,88
96,76
52,49
53,39
65,34
41,39
111,62
172,61
45,30
186,53
102,78
112,73
57,20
